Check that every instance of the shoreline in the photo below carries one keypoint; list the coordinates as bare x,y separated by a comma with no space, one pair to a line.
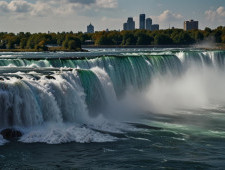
49,50
85,48
216,47
136,46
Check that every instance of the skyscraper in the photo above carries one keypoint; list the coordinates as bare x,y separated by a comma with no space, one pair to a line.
155,27
129,25
90,29
190,25
142,21
125,26
148,24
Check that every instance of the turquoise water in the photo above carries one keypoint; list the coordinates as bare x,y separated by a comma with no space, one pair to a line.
113,109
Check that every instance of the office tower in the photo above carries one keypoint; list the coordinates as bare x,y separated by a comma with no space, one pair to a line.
90,29
190,25
129,25
155,27
142,21
125,26
148,24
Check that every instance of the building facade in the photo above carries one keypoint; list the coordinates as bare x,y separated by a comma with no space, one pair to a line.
142,21
129,25
148,24
125,26
155,27
90,29
190,25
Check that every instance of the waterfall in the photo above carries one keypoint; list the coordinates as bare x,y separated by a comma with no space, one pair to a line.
68,90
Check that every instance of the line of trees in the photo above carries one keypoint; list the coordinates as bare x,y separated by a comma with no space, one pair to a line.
161,37
40,41
73,41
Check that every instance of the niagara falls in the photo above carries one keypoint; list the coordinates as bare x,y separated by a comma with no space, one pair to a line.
112,85
158,102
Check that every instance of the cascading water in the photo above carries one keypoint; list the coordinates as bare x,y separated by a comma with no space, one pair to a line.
158,109
38,91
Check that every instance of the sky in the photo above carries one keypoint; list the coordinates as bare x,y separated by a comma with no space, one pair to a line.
75,15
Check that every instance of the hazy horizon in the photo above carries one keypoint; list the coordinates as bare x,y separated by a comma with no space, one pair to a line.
75,15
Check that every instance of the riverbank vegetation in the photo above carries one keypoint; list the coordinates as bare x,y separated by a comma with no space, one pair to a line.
69,41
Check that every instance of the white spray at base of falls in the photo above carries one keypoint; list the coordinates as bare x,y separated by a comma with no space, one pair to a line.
64,133
196,88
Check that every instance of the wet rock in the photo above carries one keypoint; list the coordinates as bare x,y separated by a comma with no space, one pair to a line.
19,77
10,134
50,77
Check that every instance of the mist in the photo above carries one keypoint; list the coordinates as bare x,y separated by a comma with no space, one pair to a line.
197,88
208,43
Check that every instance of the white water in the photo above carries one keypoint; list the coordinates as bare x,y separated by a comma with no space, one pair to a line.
195,89
64,133
54,111
2,141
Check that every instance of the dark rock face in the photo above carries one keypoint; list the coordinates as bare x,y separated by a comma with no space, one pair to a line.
50,77
10,134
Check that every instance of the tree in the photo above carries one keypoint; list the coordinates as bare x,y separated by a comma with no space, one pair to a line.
128,38
10,45
218,34
104,40
72,45
23,43
143,38
41,46
163,39
199,36
30,43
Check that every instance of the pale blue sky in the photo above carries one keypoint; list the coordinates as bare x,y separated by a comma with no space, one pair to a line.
67,15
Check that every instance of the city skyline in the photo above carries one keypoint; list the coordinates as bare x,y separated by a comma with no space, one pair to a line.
144,24
74,15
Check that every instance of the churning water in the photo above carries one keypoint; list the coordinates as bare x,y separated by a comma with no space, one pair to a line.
113,109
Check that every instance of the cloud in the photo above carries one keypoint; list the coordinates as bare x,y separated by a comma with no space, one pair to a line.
52,7
19,6
87,2
41,9
167,18
107,3
15,6
220,11
4,6
218,14
167,15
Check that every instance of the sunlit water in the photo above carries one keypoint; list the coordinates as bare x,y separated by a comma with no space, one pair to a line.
114,109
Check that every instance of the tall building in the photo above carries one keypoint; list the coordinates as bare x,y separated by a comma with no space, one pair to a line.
148,24
129,25
90,29
155,27
190,25
125,26
142,21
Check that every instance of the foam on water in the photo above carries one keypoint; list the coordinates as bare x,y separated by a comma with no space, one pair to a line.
2,140
62,133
